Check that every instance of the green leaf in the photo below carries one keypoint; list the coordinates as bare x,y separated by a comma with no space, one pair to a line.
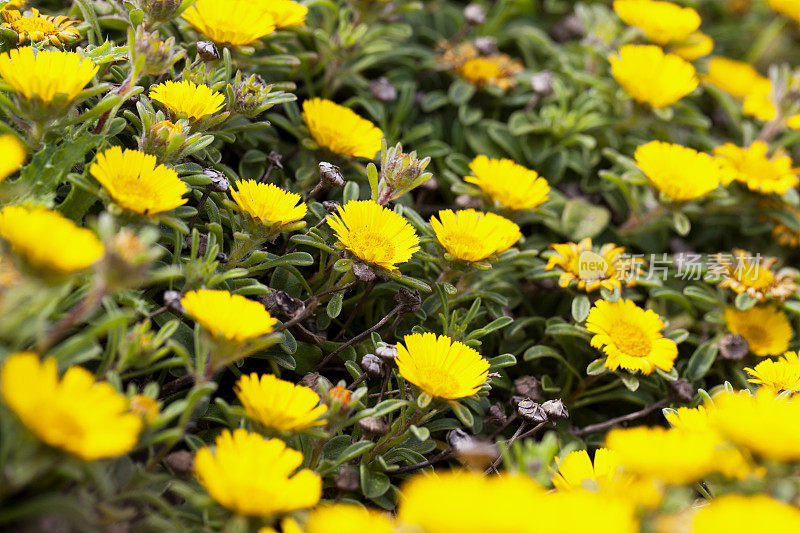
630,381
421,433
744,301
502,361
681,223
373,484
462,413
597,367
581,219
580,308
460,92
701,361
335,305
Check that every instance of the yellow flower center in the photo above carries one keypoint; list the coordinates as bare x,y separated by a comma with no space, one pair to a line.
439,380
754,276
28,25
371,246
630,339
754,333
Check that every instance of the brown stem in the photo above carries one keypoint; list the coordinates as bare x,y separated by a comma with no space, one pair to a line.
602,426
640,220
430,462
358,337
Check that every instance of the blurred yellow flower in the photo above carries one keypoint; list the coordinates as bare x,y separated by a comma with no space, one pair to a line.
48,240
268,203
284,13
236,22
228,316
346,517
340,129
12,155
591,270
765,328
737,78
680,173
577,468
37,28
186,98
652,77
753,274
45,74
144,406
790,8
507,183
374,233
75,413
778,375
695,46
134,182
586,511
733,513
470,235
254,476
661,22
279,404
758,102
440,366
497,70
751,166
630,337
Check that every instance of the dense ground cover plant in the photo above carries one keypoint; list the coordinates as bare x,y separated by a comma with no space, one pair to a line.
514,266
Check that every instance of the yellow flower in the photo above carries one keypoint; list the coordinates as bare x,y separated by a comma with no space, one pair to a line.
229,316
777,376
470,235
340,129
468,502
581,510
76,413
144,406
186,98
254,476
751,166
630,337
49,241
789,8
661,22
577,468
45,74
753,274
237,22
350,518
765,328
284,13
279,404
374,234
37,28
12,155
440,366
734,77
695,46
733,513
497,70
652,77
507,183
680,173
134,182
783,234
268,203
592,270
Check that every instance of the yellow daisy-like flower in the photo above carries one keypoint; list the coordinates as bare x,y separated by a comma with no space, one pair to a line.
236,22
737,78
695,46
592,270
753,274
268,203
652,77
470,235
577,468
789,8
507,183
765,328
340,129
661,22
440,366
350,518
374,233
144,406
254,476
45,74
758,102
48,240
134,182
187,98
229,316
74,413
497,70
279,404
37,28
778,375
733,513
12,155
680,173
598,513
630,337
752,166
284,13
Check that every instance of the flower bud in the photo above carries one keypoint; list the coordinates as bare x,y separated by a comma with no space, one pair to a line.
400,172
250,96
159,56
160,10
339,398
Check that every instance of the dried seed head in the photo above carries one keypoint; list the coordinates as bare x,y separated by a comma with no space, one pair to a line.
486,46
331,206
542,82
347,479
280,302
496,415
172,301
207,51
363,272
387,352
275,159
472,452
409,301
555,410
733,347
383,90
373,365
311,380
681,390
531,411
181,462
219,181
474,14
529,387
330,175
373,426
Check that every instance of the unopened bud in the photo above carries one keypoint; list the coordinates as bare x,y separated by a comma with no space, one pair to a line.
529,387
207,51
339,397
555,410
474,14
531,411
159,55
160,10
373,365
373,426
400,172
733,347
330,175
251,95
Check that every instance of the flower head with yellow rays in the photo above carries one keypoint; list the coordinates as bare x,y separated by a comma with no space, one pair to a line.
752,166
737,513
662,22
235,22
49,241
630,337
347,517
470,235
681,173
185,98
695,46
285,13
135,182
374,234
510,185
12,155
737,78
777,375
591,270
440,366
743,272
340,129
790,8
652,77
254,476
45,74
228,316
765,328
268,203
37,28
75,413
493,69
279,404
